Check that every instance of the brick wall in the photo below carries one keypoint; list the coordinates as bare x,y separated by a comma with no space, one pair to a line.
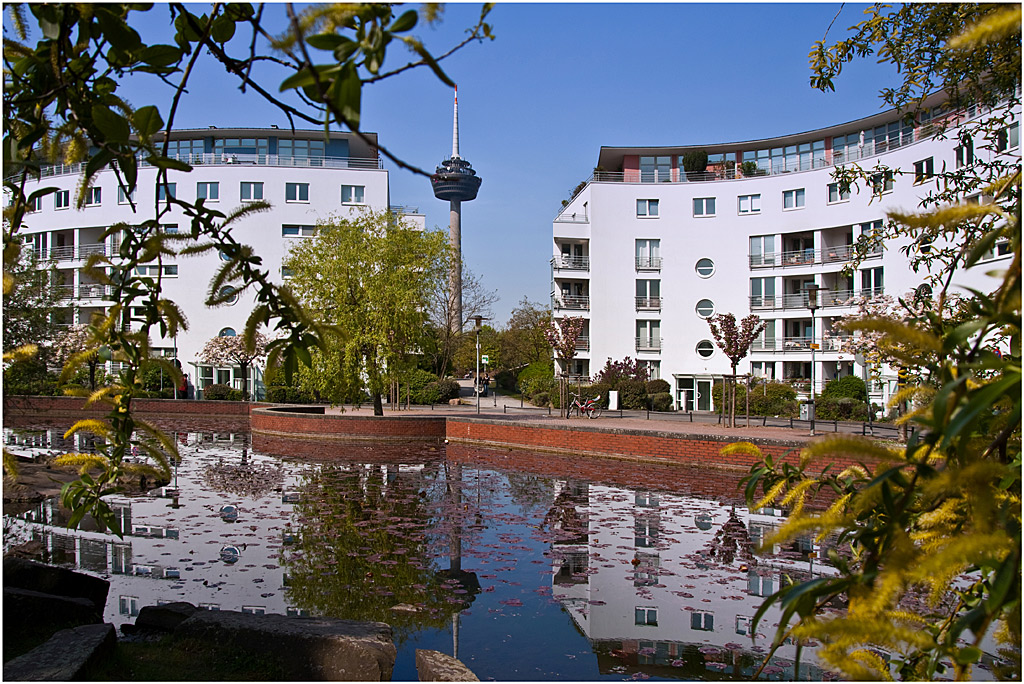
71,405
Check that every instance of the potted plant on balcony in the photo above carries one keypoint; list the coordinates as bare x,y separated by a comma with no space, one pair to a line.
749,169
695,163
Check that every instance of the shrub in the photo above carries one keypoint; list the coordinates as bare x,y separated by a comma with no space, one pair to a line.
600,390
278,391
849,386
616,371
632,394
773,399
418,384
695,161
842,408
505,379
540,399
749,168
658,387
539,376
29,377
447,389
661,401
217,392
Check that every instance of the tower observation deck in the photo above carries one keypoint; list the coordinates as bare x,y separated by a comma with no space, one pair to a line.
455,181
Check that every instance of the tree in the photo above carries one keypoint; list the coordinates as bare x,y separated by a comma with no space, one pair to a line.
562,335
522,341
370,278
931,531
735,343
61,104
476,301
31,305
76,342
234,351
616,371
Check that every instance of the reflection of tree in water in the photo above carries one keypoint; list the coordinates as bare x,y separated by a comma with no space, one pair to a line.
254,480
530,491
359,549
732,539
564,520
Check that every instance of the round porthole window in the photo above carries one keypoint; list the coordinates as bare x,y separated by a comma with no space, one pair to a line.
226,332
705,268
224,256
705,308
229,294
705,348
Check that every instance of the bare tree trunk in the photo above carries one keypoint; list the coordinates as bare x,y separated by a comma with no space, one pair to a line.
245,381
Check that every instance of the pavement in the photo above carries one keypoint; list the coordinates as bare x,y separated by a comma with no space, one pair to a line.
498,405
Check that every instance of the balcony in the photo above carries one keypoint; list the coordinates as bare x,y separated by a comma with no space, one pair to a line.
92,291
69,253
648,344
648,303
570,263
583,343
804,257
826,299
648,263
573,302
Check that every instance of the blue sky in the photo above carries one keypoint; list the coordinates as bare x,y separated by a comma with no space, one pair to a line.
557,83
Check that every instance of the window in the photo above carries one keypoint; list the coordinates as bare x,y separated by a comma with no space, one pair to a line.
705,268
35,204
290,230
749,204
793,199
705,308
648,254
647,208
964,152
881,182
251,192
762,292
229,294
743,624
185,149
646,500
224,255
703,206
871,281
872,232
646,616
655,169
62,199
92,196
352,194
166,191
648,294
208,191
128,605
758,585
705,349
235,146
226,332
125,197
837,194
653,368
287,272
1008,138
762,250
169,228
648,335
923,170
296,192
169,270
645,569
254,610
702,621
646,528
302,150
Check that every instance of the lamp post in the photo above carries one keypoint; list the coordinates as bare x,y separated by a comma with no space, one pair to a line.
812,303
476,380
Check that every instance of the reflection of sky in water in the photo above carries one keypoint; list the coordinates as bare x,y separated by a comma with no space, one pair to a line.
577,580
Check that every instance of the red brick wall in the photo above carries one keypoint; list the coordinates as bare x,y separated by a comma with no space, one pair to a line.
69,405
327,426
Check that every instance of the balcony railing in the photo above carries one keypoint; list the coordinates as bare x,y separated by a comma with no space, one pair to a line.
648,344
648,263
92,291
571,263
215,159
583,343
648,303
68,253
803,257
577,302
826,299
800,344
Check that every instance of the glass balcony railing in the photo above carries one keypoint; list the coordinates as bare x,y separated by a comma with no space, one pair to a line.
571,263
832,343
804,257
826,299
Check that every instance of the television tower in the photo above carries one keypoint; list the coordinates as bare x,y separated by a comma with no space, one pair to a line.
456,181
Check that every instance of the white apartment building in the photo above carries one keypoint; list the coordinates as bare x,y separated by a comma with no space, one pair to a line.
646,254
304,176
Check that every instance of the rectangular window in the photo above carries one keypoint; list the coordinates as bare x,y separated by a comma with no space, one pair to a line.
758,585
872,233
703,621
646,616
648,335
749,204
923,170
1008,138
703,206
837,194
871,281
208,191
881,182
251,191
653,368
291,230
743,624
167,191
648,294
645,572
352,194
762,250
128,605
286,272
92,196
793,199
296,192
35,204
648,254
62,199
647,208
762,293
125,197
169,228
655,169
964,152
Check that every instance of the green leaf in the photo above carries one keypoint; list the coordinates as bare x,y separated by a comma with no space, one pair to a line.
967,655
405,22
346,93
223,29
166,163
326,41
147,120
161,55
111,124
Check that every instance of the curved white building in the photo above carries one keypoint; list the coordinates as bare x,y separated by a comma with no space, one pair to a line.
305,177
645,254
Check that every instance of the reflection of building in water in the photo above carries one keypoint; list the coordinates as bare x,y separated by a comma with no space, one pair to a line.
655,579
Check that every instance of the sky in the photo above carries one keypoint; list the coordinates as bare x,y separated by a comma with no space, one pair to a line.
559,81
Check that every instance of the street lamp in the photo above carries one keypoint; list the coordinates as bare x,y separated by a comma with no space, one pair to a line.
476,380
811,290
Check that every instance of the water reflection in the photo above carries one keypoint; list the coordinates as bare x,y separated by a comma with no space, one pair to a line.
552,572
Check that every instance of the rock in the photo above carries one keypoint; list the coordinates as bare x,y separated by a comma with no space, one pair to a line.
28,612
49,579
67,655
308,648
165,618
434,666
454,402
31,550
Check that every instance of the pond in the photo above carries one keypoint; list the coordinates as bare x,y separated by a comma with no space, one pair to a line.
526,566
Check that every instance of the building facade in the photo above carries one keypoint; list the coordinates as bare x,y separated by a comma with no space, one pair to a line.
645,253
305,177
